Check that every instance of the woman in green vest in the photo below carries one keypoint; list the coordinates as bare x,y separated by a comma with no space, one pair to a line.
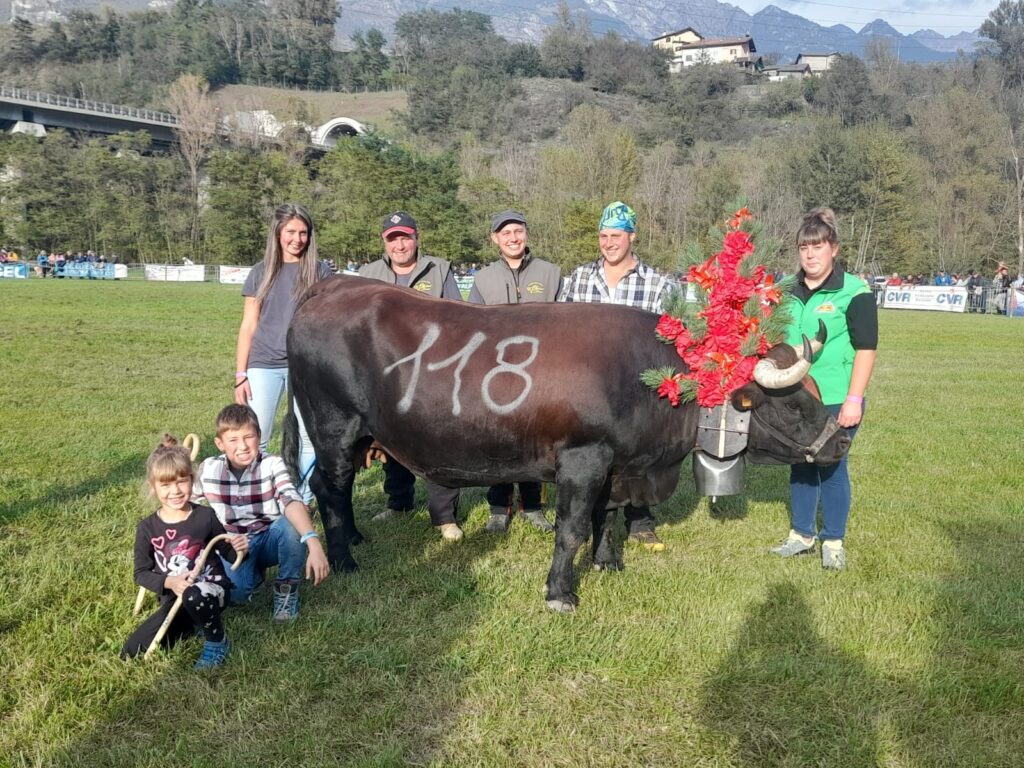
824,291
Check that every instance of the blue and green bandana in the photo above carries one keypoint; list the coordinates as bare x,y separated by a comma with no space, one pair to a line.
618,215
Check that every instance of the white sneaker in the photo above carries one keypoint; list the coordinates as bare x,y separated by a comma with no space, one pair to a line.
833,556
450,531
794,544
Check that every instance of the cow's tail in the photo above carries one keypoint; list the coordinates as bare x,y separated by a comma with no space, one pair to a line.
290,439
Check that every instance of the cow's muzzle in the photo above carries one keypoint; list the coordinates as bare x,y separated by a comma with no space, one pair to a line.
809,452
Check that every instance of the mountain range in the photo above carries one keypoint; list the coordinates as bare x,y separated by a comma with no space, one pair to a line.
775,31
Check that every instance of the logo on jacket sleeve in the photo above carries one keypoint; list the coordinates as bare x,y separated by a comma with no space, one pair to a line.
827,308
535,288
423,286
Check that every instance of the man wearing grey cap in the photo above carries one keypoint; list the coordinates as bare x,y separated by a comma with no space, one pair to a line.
518,277
404,265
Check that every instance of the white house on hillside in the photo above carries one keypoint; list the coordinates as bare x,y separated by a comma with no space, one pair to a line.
786,72
688,47
818,62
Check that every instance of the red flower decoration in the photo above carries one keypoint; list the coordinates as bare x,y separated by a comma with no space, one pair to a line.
716,363
743,214
670,388
669,327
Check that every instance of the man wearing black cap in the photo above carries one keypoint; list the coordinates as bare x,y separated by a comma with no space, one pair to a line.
516,278
403,265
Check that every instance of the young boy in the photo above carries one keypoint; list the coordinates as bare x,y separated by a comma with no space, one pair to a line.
253,493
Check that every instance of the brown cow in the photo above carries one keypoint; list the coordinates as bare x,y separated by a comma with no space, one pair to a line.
469,395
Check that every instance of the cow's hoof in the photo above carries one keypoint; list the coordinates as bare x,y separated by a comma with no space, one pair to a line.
561,606
344,566
610,566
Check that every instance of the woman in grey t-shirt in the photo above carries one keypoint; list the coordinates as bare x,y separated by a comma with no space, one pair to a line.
290,265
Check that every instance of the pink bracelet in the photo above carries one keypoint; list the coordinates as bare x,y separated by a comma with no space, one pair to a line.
855,399
240,374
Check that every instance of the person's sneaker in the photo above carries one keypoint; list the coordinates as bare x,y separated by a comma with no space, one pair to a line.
498,522
537,519
833,556
450,531
649,540
286,601
795,544
213,654
389,514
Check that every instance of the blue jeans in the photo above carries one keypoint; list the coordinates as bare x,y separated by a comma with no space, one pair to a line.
267,385
810,483
278,545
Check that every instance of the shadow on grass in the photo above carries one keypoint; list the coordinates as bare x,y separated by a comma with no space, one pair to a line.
967,707
370,674
124,471
783,696
761,483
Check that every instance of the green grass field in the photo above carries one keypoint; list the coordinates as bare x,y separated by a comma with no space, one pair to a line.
709,654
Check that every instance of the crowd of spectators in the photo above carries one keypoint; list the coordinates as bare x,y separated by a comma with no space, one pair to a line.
52,264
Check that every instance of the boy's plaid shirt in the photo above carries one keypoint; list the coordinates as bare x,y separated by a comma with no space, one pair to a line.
252,502
641,287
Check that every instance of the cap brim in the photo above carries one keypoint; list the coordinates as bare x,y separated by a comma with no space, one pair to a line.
403,230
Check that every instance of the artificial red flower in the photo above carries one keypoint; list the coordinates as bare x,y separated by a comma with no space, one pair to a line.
683,341
716,363
669,388
669,327
743,214
704,275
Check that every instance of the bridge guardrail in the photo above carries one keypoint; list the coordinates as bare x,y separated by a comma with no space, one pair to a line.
39,97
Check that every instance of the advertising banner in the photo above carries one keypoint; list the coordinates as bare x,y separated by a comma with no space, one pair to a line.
95,271
17,270
234,275
195,273
937,298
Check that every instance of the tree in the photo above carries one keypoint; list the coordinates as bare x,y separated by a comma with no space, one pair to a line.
459,76
366,177
196,131
1005,28
845,92
566,44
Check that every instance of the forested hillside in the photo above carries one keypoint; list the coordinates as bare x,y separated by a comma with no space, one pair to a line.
920,162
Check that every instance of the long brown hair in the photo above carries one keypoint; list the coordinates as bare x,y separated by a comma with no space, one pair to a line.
272,257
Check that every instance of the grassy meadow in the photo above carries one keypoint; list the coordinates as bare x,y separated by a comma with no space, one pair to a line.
712,653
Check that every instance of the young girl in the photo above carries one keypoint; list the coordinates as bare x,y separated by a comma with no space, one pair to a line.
290,265
167,545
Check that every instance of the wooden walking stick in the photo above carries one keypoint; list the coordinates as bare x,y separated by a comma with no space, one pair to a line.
200,562
191,442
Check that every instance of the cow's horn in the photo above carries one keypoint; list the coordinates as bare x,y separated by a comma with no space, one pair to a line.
819,338
770,376
809,350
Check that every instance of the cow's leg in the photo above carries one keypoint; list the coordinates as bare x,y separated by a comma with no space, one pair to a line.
582,476
337,438
603,519
335,504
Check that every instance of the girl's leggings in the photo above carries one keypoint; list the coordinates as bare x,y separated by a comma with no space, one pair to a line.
197,610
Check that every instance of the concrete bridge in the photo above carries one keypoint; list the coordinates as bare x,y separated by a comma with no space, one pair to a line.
23,109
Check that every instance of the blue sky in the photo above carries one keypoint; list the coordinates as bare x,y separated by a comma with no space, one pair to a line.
944,16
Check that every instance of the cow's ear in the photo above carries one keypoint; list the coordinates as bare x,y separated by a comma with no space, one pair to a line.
747,397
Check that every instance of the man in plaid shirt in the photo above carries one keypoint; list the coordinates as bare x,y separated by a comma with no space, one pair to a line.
253,493
619,277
